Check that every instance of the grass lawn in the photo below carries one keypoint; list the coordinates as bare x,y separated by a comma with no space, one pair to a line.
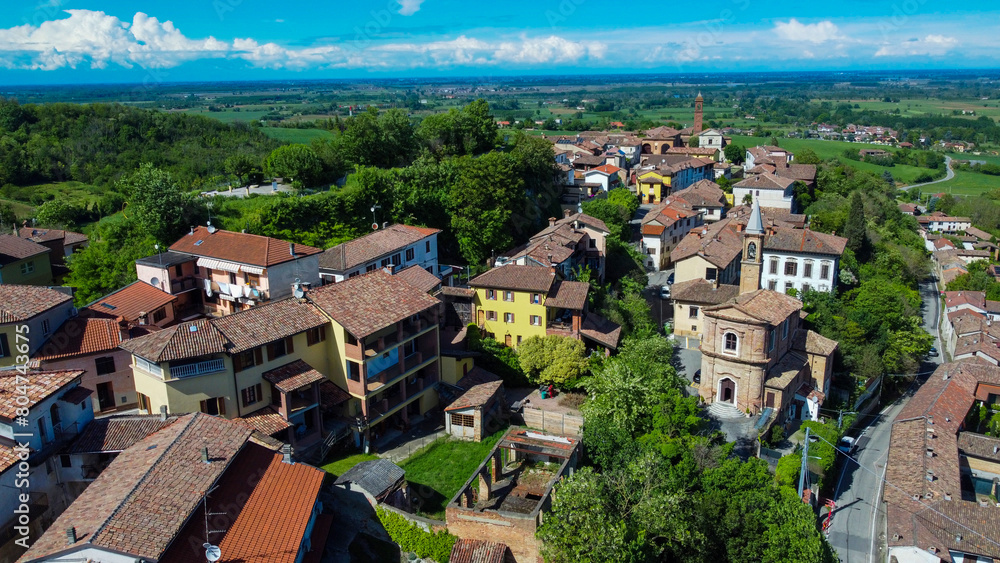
966,183
22,210
339,465
304,136
437,472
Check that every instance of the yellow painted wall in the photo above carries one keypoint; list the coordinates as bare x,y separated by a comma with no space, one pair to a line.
522,308
452,368
185,395
42,275
685,326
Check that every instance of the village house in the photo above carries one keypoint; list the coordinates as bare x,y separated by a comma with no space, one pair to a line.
938,222
670,174
40,310
381,481
575,241
660,139
472,414
769,190
801,259
24,262
691,297
232,271
169,480
710,253
61,243
396,247
713,139
663,227
607,175
705,196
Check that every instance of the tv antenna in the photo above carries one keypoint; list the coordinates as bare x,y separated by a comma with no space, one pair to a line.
374,220
212,552
211,229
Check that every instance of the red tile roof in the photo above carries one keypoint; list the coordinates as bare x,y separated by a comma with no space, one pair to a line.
372,246
8,458
703,292
45,235
568,295
186,340
116,433
370,302
267,421
330,395
420,278
81,336
21,302
601,330
607,169
40,385
131,300
478,551
241,248
479,385
518,278
787,239
14,249
293,375
769,306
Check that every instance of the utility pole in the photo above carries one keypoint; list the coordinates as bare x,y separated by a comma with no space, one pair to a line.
805,465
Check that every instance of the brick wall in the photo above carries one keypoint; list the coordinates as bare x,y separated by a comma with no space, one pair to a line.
517,532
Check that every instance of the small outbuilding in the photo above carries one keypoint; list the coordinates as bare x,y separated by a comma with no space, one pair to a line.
469,416
380,480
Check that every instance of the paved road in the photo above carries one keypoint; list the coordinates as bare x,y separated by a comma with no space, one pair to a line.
858,518
949,174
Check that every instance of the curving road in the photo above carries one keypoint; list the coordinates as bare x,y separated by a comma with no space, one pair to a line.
949,174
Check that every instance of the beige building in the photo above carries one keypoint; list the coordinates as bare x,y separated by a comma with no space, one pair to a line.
691,298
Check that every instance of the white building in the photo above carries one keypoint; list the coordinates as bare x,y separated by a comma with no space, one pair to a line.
767,155
663,228
396,247
769,190
938,222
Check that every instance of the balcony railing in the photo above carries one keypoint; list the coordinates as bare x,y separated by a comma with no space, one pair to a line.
182,285
200,368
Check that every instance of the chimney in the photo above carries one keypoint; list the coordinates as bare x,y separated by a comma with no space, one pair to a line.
286,453
565,213
204,455
123,330
192,231
142,318
291,248
163,412
552,221
70,535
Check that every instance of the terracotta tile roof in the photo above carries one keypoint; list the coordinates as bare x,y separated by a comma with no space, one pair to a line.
765,182
267,323
976,299
607,169
703,193
81,336
370,302
22,302
601,330
267,505
77,395
568,295
74,238
45,235
478,551
141,501
707,151
8,458
267,421
654,230
814,343
518,278
293,375
131,300
186,340
479,385
41,384
420,278
662,132
330,395
718,243
376,476
704,292
787,239
372,246
978,445
781,374
979,233
116,433
801,172
769,306
241,248
13,249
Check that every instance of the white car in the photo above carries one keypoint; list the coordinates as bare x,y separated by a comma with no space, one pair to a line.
846,444
665,292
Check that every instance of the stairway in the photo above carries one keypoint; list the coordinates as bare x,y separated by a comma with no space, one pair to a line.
723,411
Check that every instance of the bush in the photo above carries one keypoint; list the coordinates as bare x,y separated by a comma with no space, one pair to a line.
777,434
787,472
411,537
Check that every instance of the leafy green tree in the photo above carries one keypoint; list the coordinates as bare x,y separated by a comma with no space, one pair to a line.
59,213
241,165
296,162
856,228
559,360
7,216
735,154
157,204
807,156
108,262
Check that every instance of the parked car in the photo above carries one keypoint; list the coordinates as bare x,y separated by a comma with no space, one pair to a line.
846,444
933,353
697,377
665,292
670,280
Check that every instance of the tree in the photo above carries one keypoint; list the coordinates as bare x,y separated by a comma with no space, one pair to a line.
108,262
748,199
734,154
59,213
554,359
157,204
295,162
7,216
856,228
241,165
807,156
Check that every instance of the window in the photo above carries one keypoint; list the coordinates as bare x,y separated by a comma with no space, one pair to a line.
385,263
730,342
46,327
396,261
280,348
774,265
144,403
27,267
409,254
784,329
518,339
105,365
807,269
197,270
693,312
178,270
232,278
791,268
354,274
789,285
772,285
491,294
769,400
354,371
806,287
711,273
370,268
592,243
536,298
536,320
215,405
771,339
491,315
467,420
159,315
65,461
251,395
508,296
824,271
247,359
4,346
208,273
508,317
315,335
351,339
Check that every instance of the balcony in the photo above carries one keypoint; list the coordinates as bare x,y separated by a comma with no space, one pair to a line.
63,433
299,401
196,369
379,408
183,285
406,366
405,330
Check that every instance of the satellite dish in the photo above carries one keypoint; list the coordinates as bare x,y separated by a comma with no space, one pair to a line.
212,552
299,294
211,229
208,292
374,226
155,282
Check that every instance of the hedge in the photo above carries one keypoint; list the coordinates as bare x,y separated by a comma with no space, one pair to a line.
411,537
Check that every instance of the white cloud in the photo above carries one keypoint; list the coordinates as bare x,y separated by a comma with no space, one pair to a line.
820,32
409,7
931,45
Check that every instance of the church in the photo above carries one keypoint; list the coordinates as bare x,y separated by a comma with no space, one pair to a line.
756,353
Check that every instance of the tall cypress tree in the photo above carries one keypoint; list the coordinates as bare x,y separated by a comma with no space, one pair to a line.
855,229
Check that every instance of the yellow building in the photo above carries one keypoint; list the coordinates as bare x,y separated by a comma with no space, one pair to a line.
24,262
652,186
516,302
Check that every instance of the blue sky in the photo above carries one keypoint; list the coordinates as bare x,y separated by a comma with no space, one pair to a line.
69,41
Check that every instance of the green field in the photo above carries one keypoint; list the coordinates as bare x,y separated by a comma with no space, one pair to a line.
966,183
913,107
26,198
834,149
289,135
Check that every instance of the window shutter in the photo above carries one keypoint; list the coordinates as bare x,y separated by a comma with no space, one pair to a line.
270,352
238,363
204,406
258,389
245,396
258,356
289,344
4,349
222,406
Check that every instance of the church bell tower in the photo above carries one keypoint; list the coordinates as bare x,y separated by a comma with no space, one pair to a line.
753,247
